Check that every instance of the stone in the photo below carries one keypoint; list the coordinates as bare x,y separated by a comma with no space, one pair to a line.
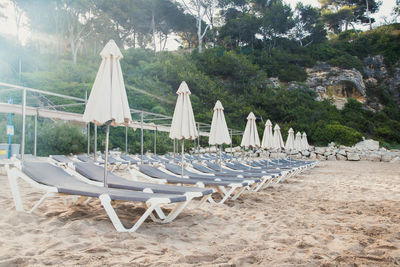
395,160
312,155
320,150
331,157
305,153
368,144
353,156
342,152
387,156
321,157
341,157
331,144
327,153
373,156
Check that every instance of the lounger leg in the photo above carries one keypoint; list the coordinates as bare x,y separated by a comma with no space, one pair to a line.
238,194
226,195
13,176
13,180
260,185
106,203
202,201
48,194
172,215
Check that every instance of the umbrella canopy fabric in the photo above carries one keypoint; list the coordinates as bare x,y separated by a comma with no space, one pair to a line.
268,137
304,142
290,140
108,103
183,124
278,141
108,100
297,142
250,135
219,133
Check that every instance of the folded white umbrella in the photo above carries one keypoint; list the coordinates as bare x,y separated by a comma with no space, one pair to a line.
278,141
183,124
268,137
290,140
108,103
250,136
219,133
297,142
304,142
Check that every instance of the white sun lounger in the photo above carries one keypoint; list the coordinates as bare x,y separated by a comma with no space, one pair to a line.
56,181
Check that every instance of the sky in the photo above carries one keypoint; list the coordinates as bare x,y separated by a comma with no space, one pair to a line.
8,26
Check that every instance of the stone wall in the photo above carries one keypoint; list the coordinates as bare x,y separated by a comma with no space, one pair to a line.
368,150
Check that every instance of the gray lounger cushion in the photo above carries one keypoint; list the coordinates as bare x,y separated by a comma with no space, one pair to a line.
48,174
96,173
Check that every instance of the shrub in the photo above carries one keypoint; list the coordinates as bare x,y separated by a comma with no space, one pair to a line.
61,138
337,133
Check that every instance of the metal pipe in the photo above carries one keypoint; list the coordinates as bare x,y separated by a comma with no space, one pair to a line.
41,91
183,148
174,149
87,128
95,142
155,141
126,139
35,137
198,139
23,124
106,155
231,145
88,138
141,137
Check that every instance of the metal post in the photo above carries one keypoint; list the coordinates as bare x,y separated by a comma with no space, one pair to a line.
35,137
95,142
155,141
106,155
141,137
174,148
126,139
231,146
87,129
23,124
198,139
183,148
10,101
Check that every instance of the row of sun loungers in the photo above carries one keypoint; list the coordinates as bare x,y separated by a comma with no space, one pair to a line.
165,186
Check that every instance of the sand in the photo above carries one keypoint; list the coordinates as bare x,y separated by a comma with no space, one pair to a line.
339,213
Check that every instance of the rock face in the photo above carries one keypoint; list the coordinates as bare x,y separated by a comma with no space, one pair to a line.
336,83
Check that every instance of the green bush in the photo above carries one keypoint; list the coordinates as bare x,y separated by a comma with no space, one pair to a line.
347,62
337,133
61,138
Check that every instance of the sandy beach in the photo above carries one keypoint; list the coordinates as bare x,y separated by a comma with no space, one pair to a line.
339,213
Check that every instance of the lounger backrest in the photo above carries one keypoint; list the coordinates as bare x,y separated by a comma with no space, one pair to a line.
47,174
201,168
213,166
84,158
153,171
61,158
176,169
129,159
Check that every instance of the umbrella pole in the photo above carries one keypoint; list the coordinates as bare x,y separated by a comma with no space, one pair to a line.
95,142
106,155
174,149
183,146
220,158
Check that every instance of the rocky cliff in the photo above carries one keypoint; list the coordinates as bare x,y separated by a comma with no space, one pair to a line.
341,84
